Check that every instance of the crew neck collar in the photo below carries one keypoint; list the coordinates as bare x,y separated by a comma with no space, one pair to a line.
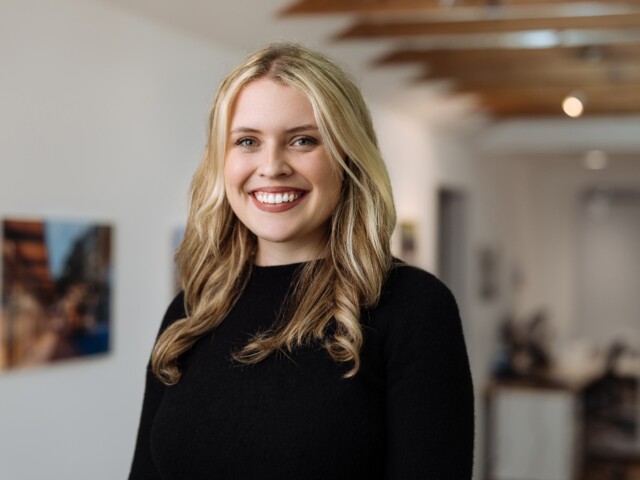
281,267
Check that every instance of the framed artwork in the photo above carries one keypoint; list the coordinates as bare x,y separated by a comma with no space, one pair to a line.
408,241
176,239
489,272
56,291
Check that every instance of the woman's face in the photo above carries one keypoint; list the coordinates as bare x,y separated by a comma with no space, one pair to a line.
278,176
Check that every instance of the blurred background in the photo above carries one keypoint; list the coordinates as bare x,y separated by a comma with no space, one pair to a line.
511,129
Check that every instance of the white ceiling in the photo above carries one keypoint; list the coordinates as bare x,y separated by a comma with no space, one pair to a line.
246,25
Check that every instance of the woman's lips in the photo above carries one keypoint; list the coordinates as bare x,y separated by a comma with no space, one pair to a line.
276,199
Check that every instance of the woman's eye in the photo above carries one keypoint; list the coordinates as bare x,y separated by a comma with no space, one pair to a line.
305,142
246,142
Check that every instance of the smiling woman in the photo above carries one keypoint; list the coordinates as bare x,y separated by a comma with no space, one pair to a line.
300,348
279,178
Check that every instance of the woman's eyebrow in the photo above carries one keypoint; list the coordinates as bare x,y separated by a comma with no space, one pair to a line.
301,128
244,130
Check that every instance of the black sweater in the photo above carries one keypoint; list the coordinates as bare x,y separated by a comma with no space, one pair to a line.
407,414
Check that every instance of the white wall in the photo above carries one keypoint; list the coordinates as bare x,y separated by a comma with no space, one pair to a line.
608,305
423,158
411,160
103,117
551,236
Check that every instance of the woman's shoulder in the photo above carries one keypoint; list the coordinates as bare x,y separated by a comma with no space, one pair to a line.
414,300
417,322
408,286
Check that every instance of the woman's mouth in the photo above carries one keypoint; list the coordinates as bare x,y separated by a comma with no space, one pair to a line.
277,201
276,198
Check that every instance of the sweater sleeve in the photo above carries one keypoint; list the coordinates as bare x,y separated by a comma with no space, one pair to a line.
430,410
143,467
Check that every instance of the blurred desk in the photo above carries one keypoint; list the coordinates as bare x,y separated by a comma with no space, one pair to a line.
612,429
616,464
533,431
549,429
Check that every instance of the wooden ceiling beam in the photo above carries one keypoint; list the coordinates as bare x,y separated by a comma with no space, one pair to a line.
423,28
509,81
503,56
509,107
388,6
557,94
558,74
602,99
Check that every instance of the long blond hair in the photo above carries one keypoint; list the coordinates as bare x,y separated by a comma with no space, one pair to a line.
216,256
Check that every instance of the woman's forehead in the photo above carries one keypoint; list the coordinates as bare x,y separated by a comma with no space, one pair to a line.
265,103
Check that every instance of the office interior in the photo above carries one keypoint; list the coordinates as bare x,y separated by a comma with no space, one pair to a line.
530,213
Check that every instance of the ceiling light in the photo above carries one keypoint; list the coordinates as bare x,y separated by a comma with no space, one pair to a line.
538,38
573,105
595,160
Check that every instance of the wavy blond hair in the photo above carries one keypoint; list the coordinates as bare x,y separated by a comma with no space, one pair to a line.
216,256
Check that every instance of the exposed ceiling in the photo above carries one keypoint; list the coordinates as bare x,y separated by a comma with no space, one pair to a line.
242,26
520,57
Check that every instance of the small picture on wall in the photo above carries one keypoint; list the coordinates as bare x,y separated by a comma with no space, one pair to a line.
408,241
489,273
176,239
56,291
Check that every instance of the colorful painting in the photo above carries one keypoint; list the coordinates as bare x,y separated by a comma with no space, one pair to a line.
56,291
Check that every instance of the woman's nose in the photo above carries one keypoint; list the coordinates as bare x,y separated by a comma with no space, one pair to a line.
273,163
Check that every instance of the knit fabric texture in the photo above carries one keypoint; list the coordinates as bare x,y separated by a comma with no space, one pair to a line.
407,414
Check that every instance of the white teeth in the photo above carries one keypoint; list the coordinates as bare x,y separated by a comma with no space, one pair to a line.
277,198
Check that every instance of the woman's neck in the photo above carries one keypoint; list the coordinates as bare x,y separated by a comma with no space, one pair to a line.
283,254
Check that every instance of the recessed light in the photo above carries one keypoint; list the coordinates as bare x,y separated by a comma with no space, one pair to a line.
595,160
573,105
